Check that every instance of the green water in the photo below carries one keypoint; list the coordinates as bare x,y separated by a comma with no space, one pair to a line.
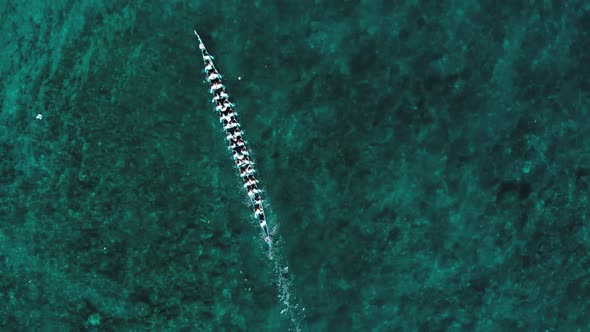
427,166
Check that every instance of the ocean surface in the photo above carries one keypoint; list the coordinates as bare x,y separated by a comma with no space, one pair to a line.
425,165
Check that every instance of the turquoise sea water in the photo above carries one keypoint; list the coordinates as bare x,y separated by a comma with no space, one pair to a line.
427,166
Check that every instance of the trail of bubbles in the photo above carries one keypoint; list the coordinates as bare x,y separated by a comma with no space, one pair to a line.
284,281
